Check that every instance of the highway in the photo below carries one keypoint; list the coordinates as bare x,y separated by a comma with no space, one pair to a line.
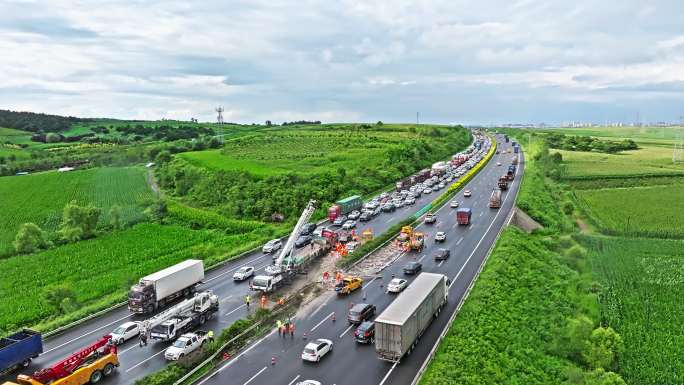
137,362
351,363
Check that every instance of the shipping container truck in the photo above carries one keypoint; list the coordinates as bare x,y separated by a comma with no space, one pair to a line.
19,349
399,327
344,206
503,183
463,215
495,199
157,290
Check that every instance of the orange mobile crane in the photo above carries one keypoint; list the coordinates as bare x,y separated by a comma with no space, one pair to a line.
90,364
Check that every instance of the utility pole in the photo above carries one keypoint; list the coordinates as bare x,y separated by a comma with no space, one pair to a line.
219,119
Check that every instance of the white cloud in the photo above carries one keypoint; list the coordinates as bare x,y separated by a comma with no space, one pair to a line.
349,60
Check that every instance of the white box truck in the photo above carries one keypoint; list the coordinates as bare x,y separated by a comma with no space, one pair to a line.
158,289
398,328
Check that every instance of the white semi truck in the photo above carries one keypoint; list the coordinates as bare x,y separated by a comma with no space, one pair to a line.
398,328
182,317
158,289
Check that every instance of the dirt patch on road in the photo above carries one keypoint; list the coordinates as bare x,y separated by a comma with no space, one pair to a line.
376,262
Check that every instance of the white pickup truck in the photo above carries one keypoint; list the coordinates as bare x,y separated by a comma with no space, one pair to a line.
186,344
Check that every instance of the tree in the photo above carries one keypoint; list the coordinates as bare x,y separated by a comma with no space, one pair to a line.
571,342
157,211
78,222
379,123
53,138
601,377
30,238
115,217
163,157
268,123
603,348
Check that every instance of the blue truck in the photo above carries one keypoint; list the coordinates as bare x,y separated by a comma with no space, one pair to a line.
19,349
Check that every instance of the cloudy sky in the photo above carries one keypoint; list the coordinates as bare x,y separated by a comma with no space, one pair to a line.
348,60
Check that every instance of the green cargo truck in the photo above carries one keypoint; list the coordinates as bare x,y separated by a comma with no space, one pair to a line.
350,204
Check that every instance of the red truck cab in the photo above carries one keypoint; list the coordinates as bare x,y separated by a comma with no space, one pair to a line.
463,216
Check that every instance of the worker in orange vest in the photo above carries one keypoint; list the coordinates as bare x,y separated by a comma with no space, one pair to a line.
292,329
263,301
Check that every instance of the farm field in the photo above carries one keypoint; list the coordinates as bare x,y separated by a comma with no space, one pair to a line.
40,198
652,211
10,135
638,134
649,159
103,268
300,151
642,285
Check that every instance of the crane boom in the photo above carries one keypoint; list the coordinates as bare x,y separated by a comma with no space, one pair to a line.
287,249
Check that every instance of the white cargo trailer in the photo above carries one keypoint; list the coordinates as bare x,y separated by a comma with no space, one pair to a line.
157,289
398,328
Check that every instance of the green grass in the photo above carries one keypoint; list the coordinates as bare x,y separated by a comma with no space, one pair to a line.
653,211
638,134
14,136
648,160
504,330
642,284
301,151
103,268
40,198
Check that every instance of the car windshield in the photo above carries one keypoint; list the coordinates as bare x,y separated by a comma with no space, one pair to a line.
134,295
309,351
396,281
260,282
119,330
179,343
244,269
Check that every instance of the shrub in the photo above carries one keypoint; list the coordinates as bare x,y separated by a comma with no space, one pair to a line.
29,238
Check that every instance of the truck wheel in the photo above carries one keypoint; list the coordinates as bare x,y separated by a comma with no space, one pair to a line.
203,319
150,309
181,356
108,369
26,362
95,377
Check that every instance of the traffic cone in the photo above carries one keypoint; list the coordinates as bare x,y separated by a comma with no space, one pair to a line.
304,336
273,360
333,317
364,295
226,356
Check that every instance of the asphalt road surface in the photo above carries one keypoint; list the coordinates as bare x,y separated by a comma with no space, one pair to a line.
345,365
351,363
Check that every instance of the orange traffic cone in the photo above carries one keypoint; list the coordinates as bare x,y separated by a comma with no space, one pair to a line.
333,317
304,336
273,361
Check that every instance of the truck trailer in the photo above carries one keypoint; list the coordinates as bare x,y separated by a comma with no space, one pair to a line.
399,327
495,199
463,215
19,349
344,206
158,289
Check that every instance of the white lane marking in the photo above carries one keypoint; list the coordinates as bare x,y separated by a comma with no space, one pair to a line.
421,258
255,376
440,263
454,226
318,309
459,241
369,282
388,373
346,330
235,268
478,244
227,364
323,320
142,362
234,310
294,379
125,350
225,299
389,220
87,334
481,213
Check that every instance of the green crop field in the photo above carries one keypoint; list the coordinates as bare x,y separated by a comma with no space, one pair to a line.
642,285
102,268
10,135
300,151
653,211
649,159
638,134
40,198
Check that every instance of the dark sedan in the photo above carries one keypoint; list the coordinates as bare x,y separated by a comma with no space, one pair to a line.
303,241
412,268
442,254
